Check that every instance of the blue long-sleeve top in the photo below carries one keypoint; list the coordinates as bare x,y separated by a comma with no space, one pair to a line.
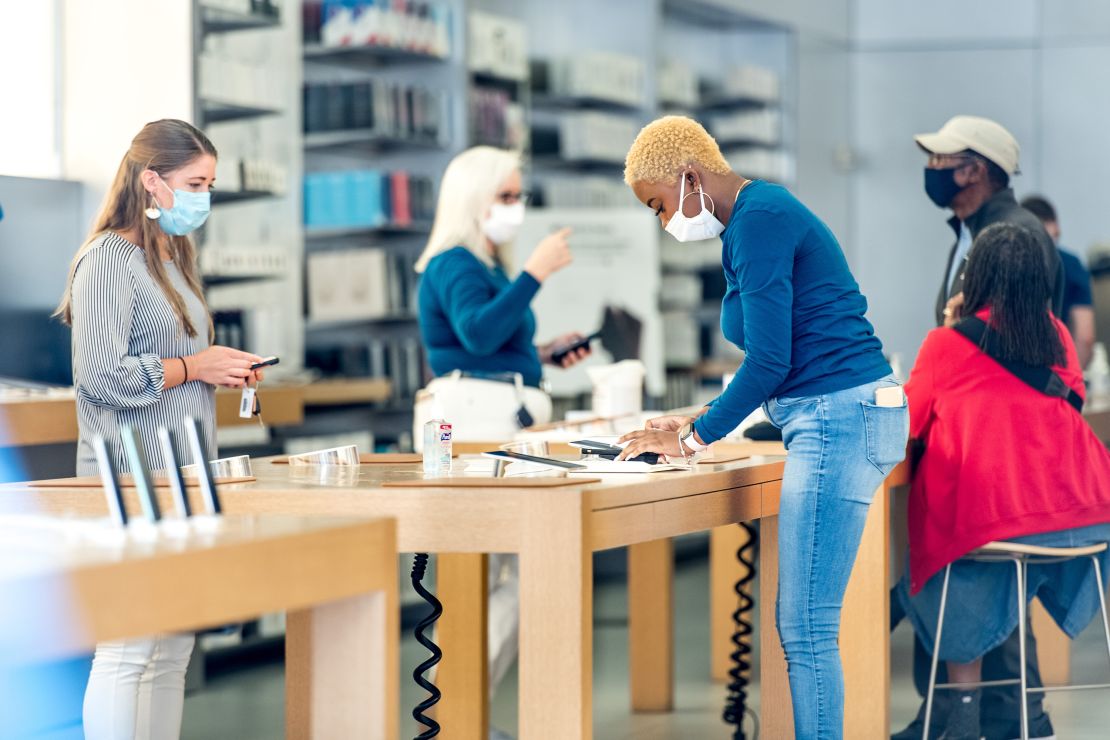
474,319
792,305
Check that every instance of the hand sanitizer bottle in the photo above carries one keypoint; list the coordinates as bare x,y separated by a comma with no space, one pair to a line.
437,444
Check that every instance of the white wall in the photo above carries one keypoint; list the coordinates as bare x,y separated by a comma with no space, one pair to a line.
29,53
125,63
1038,67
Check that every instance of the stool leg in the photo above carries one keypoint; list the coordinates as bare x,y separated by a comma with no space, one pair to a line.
1022,696
1102,601
936,654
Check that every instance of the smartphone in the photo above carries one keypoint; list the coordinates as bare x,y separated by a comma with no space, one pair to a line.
110,479
265,363
607,451
140,473
511,456
560,354
204,468
173,472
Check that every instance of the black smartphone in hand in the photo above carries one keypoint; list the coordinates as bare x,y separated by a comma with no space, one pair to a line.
560,354
265,363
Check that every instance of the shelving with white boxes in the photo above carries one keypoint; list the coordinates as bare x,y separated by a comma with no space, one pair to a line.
498,92
249,250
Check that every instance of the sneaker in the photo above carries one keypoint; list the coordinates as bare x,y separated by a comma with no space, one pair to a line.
963,717
1039,729
913,730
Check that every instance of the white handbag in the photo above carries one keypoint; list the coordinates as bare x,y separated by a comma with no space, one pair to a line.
480,409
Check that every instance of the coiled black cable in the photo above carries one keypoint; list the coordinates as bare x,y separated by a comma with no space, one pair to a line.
419,567
736,703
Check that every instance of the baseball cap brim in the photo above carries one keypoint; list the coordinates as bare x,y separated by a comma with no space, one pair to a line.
940,143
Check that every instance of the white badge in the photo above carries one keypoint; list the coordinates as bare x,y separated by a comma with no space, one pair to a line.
246,403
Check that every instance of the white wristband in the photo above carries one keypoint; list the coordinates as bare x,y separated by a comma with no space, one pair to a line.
691,441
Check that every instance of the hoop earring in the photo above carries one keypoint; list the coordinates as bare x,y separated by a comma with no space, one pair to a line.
152,212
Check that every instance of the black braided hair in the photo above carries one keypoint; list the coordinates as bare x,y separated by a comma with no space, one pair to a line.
1006,271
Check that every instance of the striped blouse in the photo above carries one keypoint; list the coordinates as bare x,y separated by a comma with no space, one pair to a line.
123,325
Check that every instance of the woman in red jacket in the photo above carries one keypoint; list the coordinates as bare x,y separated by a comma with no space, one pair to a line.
1001,461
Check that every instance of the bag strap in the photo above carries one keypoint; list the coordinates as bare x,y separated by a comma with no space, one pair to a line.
1043,379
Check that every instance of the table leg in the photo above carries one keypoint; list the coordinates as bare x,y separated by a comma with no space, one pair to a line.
724,571
775,709
651,625
341,669
865,629
462,584
556,618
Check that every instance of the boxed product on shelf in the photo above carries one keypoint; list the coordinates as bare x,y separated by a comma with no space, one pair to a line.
399,111
749,82
497,46
348,284
585,191
601,76
418,27
224,79
596,136
495,119
257,261
760,163
366,199
748,126
677,83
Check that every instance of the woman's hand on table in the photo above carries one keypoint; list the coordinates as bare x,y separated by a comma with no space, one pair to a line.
571,358
664,442
224,366
670,423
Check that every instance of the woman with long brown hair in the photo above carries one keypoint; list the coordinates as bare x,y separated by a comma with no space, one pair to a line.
142,357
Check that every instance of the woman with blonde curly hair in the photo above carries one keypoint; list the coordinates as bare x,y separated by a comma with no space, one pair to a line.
811,359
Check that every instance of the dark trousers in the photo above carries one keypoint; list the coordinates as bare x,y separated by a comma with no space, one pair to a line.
999,710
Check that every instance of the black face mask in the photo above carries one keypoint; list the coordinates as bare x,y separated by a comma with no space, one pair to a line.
940,185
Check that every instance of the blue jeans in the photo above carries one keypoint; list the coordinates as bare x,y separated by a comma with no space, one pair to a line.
841,447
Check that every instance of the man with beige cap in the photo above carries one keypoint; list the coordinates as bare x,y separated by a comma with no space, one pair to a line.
970,163
971,160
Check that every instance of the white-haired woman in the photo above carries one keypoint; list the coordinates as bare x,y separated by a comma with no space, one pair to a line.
476,324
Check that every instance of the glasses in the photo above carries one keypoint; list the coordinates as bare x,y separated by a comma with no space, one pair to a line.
508,197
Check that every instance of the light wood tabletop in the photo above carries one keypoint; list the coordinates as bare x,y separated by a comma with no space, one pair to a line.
555,530
70,583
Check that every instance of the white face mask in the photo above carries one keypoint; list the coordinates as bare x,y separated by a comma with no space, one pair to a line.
694,228
503,222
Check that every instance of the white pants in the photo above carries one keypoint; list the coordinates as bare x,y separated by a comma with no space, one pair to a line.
136,688
503,617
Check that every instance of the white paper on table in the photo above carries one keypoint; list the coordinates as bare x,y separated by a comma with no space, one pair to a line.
598,466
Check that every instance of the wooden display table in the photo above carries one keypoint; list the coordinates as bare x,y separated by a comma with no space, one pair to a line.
52,419
555,530
336,579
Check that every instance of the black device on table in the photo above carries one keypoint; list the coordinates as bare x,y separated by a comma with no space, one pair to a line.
511,456
265,363
204,469
140,474
173,472
560,354
610,452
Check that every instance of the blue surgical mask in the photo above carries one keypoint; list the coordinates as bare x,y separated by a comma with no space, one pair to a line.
188,213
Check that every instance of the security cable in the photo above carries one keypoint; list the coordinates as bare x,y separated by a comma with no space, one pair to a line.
419,567
736,702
